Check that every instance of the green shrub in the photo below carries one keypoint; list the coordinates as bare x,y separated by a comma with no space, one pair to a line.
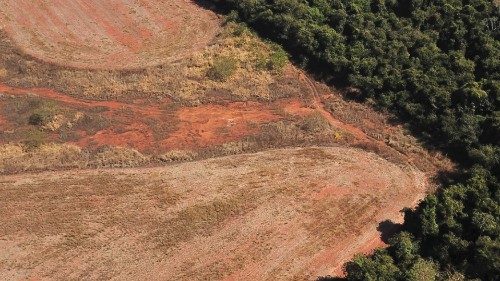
276,60
42,112
233,17
36,119
34,138
222,68
315,123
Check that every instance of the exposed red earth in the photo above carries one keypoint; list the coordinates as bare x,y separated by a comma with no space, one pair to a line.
191,127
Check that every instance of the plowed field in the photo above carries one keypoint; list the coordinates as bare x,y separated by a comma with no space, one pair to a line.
111,34
289,214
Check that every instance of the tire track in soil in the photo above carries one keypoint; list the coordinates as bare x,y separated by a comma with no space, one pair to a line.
370,239
318,104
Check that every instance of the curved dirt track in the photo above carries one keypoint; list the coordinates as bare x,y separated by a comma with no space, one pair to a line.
287,214
111,34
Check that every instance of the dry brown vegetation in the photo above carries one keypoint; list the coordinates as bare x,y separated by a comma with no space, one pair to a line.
185,81
15,158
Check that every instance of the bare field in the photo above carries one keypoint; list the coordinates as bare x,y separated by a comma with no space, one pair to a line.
283,214
113,34
86,85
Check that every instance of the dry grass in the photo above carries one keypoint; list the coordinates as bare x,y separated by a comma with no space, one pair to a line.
178,156
310,130
43,114
37,153
391,141
184,81
315,123
118,157
198,220
237,147
15,158
249,80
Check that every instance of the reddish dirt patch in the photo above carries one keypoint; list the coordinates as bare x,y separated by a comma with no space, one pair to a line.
296,107
209,125
108,34
149,127
136,135
81,103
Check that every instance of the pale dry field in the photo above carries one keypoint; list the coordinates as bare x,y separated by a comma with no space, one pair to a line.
286,214
111,34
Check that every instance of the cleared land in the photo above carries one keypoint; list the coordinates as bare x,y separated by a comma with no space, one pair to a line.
281,214
294,213
108,34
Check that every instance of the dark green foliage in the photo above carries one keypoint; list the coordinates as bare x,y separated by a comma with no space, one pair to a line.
380,267
42,111
277,60
466,219
433,63
36,119
436,65
34,138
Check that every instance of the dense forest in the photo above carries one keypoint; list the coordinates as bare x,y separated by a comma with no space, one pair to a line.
436,66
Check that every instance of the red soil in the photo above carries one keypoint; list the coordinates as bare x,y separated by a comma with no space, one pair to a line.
136,135
209,125
81,103
188,128
108,34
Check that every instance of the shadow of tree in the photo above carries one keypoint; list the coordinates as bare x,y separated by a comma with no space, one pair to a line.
387,229
207,5
330,278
